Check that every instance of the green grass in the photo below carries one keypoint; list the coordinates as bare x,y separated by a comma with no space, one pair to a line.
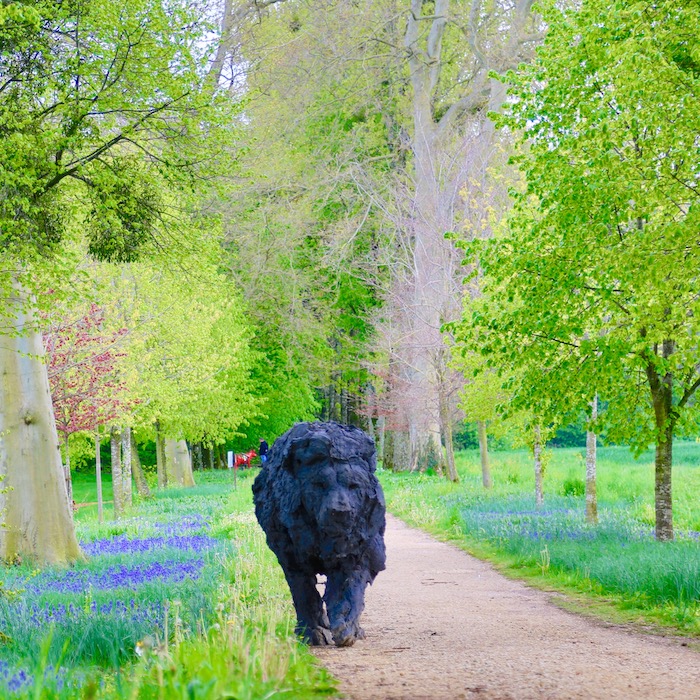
225,631
616,567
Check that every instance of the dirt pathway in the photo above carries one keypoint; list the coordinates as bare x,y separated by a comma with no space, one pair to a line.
441,624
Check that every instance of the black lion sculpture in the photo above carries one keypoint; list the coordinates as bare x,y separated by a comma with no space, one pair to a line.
322,509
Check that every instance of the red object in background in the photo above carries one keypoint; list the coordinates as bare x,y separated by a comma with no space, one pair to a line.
244,460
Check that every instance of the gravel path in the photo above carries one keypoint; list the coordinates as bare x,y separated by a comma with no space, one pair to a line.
442,624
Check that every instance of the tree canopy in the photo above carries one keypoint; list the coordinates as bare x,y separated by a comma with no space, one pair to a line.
593,287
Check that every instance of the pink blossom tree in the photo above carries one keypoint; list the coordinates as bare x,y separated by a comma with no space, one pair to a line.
86,389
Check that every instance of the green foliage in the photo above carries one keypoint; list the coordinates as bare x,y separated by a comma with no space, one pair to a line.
598,266
105,108
188,356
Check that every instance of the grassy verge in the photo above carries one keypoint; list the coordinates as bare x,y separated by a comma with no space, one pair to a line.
615,570
182,599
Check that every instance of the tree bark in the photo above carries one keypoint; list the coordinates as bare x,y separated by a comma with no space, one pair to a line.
344,406
446,430
537,450
34,502
591,491
484,453
197,456
127,489
178,463
98,478
184,464
115,444
661,387
141,484
381,431
67,474
160,459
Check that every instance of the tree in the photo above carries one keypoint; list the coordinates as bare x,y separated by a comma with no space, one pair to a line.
85,389
103,108
188,358
598,272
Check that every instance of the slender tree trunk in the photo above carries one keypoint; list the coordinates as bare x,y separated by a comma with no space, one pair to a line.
211,458
137,469
197,456
160,459
331,398
661,387
484,453
591,491
537,449
127,489
67,474
98,478
37,518
381,431
344,406
446,430
663,485
115,443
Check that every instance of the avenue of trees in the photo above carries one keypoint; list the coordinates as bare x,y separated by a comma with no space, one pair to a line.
219,217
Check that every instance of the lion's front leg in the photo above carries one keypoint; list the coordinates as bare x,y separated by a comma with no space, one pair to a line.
345,601
312,622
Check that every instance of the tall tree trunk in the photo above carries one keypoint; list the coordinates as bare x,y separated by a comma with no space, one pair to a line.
67,474
438,177
484,453
38,523
117,482
397,452
370,403
446,429
210,450
381,432
127,489
661,387
331,398
98,478
184,464
137,469
170,454
160,459
178,463
591,491
537,450
344,406
197,456
663,485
